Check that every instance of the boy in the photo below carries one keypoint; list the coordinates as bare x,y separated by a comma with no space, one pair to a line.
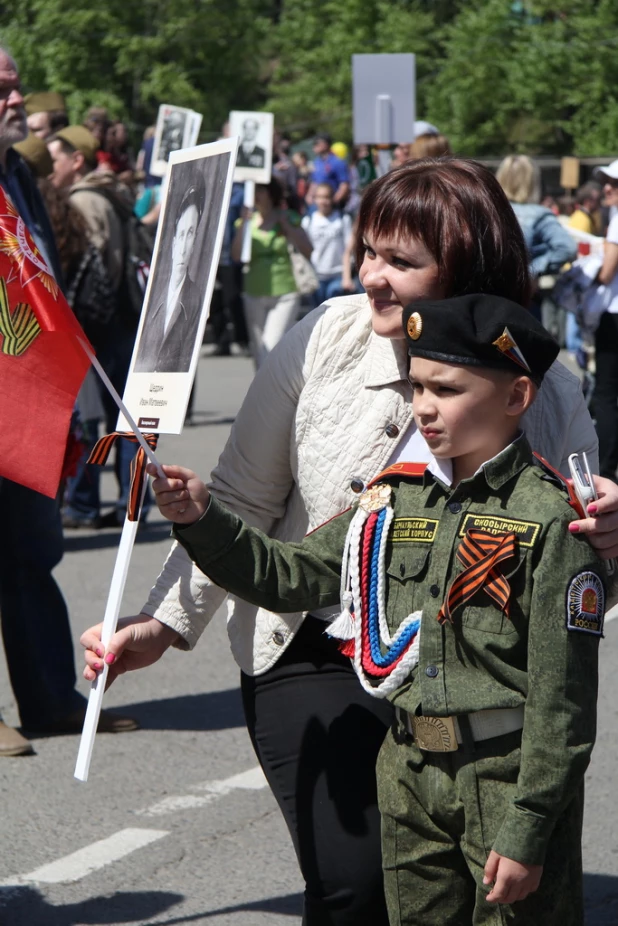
330,233
481,779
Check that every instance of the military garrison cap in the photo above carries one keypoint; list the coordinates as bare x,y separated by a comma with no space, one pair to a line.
45,102
35,153
80,139
480,330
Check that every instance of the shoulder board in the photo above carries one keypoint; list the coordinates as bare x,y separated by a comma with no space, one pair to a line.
409,470
558,480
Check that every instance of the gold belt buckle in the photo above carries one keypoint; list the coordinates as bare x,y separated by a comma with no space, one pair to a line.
434,734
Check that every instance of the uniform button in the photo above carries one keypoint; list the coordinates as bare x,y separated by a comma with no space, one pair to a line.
357,485
278,638
432,671
392,430
402,569
455,507
434,591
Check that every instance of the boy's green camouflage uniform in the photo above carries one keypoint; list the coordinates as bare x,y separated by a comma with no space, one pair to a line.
520,793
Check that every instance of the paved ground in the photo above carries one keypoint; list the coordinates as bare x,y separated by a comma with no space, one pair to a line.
175,825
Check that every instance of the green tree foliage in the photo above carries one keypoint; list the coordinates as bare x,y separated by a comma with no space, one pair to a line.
495,75
131,56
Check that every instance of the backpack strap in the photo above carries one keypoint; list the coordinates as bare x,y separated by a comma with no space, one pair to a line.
558,479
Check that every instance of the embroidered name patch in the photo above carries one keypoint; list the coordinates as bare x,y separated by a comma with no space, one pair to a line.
413,530
525,531
586,604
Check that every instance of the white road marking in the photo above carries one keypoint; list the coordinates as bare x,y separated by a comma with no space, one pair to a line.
251,780
83,862
612,614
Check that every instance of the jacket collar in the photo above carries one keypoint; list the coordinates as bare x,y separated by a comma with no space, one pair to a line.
388,361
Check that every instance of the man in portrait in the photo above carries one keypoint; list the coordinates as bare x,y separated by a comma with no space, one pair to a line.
249,153
175,302
172,134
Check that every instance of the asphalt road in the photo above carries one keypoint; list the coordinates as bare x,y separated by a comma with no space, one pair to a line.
176,824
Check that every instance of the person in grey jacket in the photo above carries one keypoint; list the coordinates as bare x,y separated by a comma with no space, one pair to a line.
329,410
549,244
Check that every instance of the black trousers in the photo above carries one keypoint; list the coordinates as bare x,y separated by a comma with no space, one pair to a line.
317,735
605,396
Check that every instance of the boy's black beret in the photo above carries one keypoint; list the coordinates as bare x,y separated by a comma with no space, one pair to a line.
480,330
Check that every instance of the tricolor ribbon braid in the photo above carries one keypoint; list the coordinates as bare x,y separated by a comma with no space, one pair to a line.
382,662
480,553
100,453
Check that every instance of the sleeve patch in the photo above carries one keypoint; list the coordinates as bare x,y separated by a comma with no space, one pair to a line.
585,604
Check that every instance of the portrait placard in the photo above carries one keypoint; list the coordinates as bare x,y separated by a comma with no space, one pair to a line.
186,254
177,128
255,150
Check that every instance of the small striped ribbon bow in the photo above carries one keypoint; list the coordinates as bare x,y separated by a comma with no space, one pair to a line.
481,553
101,451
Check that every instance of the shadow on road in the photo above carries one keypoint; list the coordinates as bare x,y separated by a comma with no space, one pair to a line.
102,540
28,908
601,900
215,710
289,905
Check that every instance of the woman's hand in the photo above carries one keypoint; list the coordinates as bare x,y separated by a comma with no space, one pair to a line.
512,880
601,528
138,642
180,495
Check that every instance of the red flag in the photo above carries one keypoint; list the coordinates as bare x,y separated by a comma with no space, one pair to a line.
42,363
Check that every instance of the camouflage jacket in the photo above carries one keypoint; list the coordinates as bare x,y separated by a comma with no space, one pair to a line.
543,655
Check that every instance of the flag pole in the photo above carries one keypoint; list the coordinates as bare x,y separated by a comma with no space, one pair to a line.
114,599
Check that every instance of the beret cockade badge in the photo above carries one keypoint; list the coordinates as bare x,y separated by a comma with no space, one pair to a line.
415,326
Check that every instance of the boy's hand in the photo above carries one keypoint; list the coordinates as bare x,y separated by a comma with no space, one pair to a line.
180,495
512,880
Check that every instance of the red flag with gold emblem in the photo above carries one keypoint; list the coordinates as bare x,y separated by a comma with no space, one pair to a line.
42,363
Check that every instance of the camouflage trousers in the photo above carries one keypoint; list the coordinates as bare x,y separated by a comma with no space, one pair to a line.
441,813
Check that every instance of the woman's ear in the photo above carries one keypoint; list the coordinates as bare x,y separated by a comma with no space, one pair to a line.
521,395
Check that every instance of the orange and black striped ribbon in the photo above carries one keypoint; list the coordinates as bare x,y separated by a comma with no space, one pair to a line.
101,451
480,553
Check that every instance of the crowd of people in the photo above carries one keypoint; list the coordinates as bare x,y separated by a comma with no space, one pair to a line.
425,270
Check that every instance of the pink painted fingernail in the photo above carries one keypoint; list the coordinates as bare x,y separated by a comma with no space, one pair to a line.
110,659
592,509
97,666
99,653
574,528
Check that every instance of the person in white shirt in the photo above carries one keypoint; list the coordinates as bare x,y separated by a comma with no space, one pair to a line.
330,233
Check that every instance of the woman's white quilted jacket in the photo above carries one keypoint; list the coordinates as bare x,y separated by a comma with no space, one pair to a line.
315,418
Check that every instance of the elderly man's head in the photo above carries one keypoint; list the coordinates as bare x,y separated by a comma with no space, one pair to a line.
250,128
13,125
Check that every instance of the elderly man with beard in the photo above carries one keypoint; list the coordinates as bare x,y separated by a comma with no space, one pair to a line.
35,623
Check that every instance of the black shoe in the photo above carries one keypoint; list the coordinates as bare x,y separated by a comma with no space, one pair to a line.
70,522
221,350
108,520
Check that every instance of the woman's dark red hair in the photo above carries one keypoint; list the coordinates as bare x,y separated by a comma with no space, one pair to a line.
458,210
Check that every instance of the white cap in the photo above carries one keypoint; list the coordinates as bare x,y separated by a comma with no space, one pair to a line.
424,128
610,171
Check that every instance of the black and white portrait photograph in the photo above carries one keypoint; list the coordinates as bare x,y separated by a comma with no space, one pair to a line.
255,131
181,282
176,128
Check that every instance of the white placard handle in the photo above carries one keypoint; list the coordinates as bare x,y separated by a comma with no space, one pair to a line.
248,203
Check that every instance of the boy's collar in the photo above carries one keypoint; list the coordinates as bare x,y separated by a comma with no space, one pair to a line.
497,471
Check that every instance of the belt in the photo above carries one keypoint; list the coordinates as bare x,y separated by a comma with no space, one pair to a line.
443,734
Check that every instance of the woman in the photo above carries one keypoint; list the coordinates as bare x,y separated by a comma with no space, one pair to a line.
549,244
327,412
605,395
272,302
